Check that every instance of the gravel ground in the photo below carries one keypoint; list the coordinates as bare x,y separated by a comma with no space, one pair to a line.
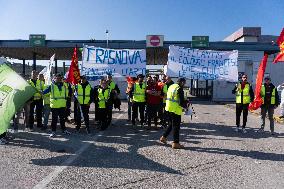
122,157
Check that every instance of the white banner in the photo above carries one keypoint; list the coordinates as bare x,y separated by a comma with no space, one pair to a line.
98,62
202,64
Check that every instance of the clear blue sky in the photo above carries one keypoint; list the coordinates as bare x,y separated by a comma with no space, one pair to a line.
134,19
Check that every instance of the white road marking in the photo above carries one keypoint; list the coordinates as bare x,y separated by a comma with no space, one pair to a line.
70,160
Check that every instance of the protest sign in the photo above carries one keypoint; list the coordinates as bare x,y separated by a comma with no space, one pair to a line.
98,62
202,64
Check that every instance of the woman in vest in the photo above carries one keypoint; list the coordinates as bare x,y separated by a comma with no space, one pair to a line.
175,102
102,97
244,95
270,100
84,94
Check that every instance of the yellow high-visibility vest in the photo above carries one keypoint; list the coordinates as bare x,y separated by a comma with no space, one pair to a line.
57,97
139,93
39,87
84,99
262,94
103,97
246,95
172,100
165,90
112,85
46,97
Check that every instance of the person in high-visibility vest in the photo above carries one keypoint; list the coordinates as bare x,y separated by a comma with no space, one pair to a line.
84,96
270,99
102,98
130,83
46,104
37,101
175,102
58,96
68,117
244,95
115,92
280,89
168,83
138,96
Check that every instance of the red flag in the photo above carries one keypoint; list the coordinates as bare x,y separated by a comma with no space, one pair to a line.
257,102
74,72
280,42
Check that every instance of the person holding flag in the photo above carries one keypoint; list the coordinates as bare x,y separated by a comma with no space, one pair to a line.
73,77
58,95
84,96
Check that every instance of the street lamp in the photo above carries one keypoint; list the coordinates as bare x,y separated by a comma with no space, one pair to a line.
107,36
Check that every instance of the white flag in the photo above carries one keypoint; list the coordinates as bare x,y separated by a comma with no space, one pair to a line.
48,73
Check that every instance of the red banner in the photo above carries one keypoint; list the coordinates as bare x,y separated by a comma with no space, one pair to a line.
74,72
280,42
257,102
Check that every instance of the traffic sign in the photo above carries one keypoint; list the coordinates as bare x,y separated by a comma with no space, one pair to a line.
37,40
154,40
200,41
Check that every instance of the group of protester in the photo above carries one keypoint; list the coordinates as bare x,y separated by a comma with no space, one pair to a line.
149,97
270,101
153,99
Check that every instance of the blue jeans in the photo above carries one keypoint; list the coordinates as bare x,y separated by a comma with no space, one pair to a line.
46,112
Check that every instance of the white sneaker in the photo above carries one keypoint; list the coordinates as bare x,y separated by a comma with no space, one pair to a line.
244,130
237,129
52,135
3,141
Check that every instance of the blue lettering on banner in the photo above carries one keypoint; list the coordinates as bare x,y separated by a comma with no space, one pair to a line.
98,58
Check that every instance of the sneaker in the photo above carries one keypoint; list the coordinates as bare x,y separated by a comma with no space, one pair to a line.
15,131
237,129
273,133
66,132
261,130
52,135
244,130
88,131
3,141
9,137
43,128
177,146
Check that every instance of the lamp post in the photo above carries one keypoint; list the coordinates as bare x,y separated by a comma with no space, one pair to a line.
107,36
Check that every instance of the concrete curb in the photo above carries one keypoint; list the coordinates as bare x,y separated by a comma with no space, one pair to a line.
277,119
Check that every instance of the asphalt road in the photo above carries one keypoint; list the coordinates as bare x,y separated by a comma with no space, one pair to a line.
121,157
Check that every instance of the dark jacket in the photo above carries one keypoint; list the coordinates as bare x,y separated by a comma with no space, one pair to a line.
267,97
96,94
